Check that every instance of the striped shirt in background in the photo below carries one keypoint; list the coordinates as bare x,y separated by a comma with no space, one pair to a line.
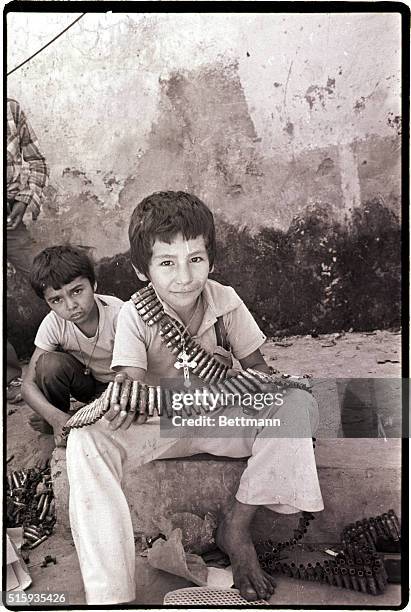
22,145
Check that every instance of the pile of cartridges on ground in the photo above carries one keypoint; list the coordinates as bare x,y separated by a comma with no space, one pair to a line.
30,503
357,566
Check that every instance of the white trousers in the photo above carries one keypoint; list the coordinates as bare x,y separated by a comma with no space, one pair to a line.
280,474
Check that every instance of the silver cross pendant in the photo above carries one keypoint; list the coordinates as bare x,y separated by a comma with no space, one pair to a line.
185,364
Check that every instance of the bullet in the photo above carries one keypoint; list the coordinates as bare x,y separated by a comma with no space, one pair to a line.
287,570
362,581
16,480
246,384
328,575
383,527
125,393
372,587
310,572
204,397
238,385
32,530
115,393
159,406
345,578
176,350
379,578
394,517
41,502
392,529
207,367
106,397
145,306
319,572
38,542
373,532
142,404
231,388
294,570
264,378
302,571
211,372
223,373
165,327
152,312
337,577
52,507
154,319
151,400
168,402
259,386
196,354
30,537
201,362
187,409
134,396
44,510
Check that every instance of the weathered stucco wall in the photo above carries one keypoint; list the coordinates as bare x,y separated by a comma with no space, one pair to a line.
263,116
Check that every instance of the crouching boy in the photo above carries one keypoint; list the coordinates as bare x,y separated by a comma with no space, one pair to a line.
172,240
74,343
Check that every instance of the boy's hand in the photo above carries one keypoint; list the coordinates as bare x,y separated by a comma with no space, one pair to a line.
16,215
57,424
118,416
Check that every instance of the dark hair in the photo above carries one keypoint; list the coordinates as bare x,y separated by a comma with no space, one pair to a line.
164,214
59,265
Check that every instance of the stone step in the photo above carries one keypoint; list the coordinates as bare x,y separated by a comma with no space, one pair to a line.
358,477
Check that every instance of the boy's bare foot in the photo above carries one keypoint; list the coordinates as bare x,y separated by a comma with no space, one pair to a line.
37,423
234,538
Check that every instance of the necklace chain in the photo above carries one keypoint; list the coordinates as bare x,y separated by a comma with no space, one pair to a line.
87,365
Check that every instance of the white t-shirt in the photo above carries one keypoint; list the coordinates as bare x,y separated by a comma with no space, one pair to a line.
54,332
138,345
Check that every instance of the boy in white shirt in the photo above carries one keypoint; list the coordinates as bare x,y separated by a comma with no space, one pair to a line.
74,343
172,240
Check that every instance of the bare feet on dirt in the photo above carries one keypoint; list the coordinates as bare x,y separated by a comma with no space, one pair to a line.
234,538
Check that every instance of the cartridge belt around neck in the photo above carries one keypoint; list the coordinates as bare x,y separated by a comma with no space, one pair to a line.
172,334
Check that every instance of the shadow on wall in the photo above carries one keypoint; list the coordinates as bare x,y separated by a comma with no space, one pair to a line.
318,276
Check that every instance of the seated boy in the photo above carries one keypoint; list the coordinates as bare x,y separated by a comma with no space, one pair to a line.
172,239
74,343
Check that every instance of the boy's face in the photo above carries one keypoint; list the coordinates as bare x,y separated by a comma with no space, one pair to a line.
72,302
179,271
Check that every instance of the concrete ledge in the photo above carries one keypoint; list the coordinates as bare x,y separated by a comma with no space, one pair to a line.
358,478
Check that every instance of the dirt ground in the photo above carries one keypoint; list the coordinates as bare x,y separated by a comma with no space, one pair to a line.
371,354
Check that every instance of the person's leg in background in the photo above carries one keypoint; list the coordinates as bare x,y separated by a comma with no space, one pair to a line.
21,250
60,376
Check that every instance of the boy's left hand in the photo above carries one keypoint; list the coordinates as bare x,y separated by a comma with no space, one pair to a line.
118,416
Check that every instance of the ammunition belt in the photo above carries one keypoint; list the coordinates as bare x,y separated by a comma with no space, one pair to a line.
174,337
357,566
140,398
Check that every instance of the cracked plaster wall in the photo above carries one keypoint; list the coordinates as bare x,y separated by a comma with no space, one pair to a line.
260,115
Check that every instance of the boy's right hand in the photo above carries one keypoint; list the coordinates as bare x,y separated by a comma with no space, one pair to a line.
117,415
58,422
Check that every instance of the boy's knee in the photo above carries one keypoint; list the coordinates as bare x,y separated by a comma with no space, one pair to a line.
298,402
50,365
